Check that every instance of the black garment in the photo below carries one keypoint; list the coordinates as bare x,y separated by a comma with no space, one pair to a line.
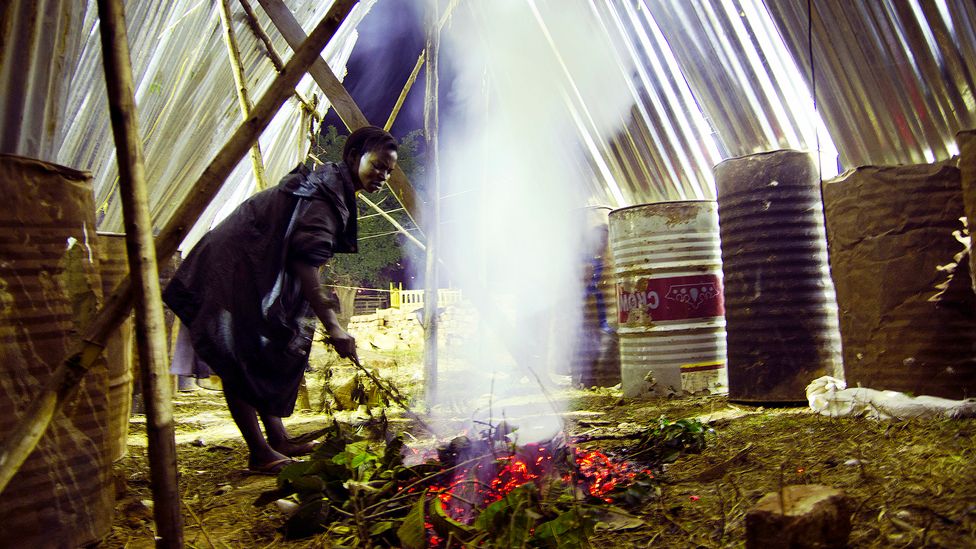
244,309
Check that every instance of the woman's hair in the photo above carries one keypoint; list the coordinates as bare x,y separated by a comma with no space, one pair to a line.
364,140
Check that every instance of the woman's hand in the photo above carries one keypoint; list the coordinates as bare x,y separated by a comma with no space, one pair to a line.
342,342
308,276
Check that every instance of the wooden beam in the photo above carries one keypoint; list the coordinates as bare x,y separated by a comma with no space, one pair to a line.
150,325
21,441
341,101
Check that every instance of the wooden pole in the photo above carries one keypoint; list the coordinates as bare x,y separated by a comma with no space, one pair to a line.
416,70
243,98
343,103
20,442
403,93
431,280
252,22
150,324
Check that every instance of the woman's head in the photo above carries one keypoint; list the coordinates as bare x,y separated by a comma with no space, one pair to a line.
370,154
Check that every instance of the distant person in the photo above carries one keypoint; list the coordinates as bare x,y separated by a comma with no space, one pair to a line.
247,290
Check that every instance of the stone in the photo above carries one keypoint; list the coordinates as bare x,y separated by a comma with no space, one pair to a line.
810,516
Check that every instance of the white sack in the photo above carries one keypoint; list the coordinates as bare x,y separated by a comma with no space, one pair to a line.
830,396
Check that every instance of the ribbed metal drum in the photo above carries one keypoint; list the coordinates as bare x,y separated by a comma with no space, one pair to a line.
119,349
596,360
779,299
668,271
61,496
121,352
907,324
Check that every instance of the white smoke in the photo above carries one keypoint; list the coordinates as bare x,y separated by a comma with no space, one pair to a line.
514,179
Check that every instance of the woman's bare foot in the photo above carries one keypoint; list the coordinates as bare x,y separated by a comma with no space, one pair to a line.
292,449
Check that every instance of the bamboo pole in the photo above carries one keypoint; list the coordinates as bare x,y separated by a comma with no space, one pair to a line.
20,442
150,325
252,22
416,69
431,283
344,105
396,224
243,98
406,89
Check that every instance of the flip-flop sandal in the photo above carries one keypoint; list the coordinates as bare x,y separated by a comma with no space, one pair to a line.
271,468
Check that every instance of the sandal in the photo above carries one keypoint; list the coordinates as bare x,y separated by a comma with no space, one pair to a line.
271,468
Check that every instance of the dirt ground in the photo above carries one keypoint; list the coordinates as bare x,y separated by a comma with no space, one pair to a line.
913,482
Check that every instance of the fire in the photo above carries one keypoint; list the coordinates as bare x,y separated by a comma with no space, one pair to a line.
603,475
490,479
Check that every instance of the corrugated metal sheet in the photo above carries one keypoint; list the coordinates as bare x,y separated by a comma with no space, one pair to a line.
39,44
184,92
710,79
715,79
895,78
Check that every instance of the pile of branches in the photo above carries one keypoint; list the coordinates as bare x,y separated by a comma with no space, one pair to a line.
486,491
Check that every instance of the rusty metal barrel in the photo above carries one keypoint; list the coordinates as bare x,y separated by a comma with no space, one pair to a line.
596,359
62,495
907,310
668,271
120,348
779,299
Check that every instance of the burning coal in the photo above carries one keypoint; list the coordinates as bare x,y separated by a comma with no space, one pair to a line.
483,471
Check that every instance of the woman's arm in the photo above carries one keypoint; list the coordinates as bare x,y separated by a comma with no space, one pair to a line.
324,308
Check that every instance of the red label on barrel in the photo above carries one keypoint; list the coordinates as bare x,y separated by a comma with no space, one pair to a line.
676,298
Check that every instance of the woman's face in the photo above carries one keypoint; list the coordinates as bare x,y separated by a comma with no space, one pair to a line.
374,169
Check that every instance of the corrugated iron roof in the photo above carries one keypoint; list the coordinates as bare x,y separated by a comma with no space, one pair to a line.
709,80
723,78
185,94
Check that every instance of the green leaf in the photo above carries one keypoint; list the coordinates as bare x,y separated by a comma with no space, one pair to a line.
308,484
360,459
393,455
614,518
571,529
496,515
380,527
293,472
413,533
446,526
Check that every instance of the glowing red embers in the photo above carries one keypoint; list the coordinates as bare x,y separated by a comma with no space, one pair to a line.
492,478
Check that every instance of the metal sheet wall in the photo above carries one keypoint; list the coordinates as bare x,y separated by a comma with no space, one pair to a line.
710,79
895,78
39,46
184,91
715,79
